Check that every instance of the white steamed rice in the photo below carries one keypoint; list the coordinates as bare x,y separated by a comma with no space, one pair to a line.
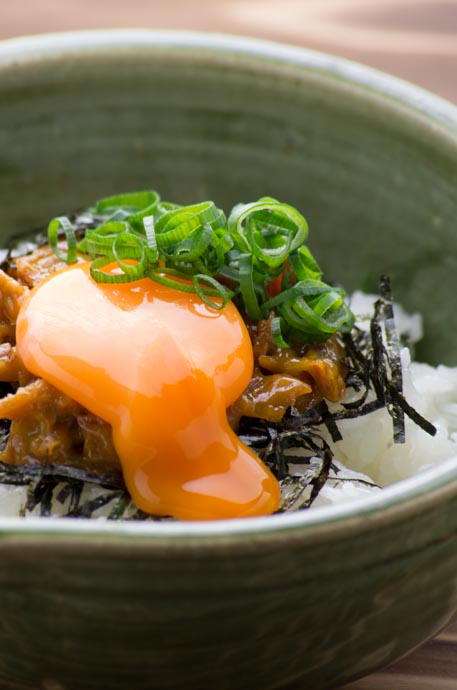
367,447
367,453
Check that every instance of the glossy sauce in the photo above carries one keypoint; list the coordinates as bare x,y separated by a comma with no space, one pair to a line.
161,367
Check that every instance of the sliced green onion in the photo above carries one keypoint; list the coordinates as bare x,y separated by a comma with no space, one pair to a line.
277,334
310,321
309,288
304,264
179,224
134,201
165,206
56,225
269,218
152,252
100,240
193,248
128,246
247,288
217,287
101,276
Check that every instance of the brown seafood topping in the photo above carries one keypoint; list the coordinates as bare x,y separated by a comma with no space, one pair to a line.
32,268
285,378
50,428
47,426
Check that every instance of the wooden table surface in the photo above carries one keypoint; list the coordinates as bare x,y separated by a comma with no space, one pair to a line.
431,667
413,39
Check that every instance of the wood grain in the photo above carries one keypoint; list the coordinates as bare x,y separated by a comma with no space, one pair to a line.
413,39
431,667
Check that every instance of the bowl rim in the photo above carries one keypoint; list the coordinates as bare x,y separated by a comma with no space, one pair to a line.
17,51
396,502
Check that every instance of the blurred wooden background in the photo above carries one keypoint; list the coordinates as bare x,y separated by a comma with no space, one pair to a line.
413,39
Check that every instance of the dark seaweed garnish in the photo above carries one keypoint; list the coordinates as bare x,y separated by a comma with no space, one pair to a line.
48,484
294,448
295,452
375,372
5,426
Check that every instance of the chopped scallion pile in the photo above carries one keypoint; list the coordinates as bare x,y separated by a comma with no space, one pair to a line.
257,257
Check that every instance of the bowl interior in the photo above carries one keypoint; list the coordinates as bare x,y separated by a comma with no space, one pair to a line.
371,162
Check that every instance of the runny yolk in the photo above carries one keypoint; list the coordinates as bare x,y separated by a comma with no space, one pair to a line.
161,367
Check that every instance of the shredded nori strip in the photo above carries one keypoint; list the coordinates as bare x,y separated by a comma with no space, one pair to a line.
90,507
27,473
375,367
293,449
374,364
295,452
329,422
48,484
394,361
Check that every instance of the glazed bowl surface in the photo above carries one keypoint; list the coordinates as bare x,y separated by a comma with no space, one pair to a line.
309,600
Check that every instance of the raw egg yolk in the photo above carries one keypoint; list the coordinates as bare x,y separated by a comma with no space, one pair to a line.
161,367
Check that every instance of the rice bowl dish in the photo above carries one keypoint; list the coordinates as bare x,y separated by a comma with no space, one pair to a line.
355,469
309,598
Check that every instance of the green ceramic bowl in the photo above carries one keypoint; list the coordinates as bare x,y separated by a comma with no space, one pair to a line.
288,602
